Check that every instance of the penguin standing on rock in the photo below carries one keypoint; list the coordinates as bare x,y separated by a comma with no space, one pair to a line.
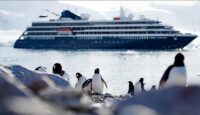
81,80
131,88
98,82
57,69
139,86
175,75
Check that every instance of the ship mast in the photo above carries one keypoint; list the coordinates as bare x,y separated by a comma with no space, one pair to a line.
122,13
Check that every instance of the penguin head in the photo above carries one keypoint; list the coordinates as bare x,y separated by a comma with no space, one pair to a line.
179,60
153,86
141,80
130,82
78,75
57,69
97,71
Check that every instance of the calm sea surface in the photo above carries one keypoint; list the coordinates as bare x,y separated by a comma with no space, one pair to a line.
117,67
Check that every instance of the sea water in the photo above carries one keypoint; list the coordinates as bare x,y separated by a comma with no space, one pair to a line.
117,67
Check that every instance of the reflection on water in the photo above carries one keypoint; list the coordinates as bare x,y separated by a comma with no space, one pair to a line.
117,67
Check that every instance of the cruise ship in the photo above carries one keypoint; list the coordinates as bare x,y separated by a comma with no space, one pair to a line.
71,31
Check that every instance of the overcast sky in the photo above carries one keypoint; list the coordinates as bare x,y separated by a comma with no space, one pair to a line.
15,16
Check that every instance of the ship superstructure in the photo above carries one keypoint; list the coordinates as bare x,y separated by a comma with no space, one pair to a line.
71,31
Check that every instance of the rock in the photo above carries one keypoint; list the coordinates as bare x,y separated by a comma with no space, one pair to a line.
16,99
39,85
69,100
172,101
27,77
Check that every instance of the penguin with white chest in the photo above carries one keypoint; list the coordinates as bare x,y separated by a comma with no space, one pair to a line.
81,80
98,82
57,69
175,75
139,86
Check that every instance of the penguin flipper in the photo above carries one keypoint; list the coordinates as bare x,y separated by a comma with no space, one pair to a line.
86,83
165,75
104,82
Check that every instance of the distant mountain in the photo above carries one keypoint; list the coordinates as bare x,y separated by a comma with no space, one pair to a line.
16,16
20,14
186,17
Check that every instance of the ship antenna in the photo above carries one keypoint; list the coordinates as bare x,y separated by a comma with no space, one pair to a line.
157,19
52,12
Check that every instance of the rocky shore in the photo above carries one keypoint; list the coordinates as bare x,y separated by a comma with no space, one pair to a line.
23,91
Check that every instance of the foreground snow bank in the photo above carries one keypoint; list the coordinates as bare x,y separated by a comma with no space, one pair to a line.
16,99
23,91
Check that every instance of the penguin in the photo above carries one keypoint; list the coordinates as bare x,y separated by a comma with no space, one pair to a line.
57,69
153,88
139,86
81,80
98,82
131,88
41,69
175,75
87,86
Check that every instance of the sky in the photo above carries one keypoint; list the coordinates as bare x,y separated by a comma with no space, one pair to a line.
15,16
